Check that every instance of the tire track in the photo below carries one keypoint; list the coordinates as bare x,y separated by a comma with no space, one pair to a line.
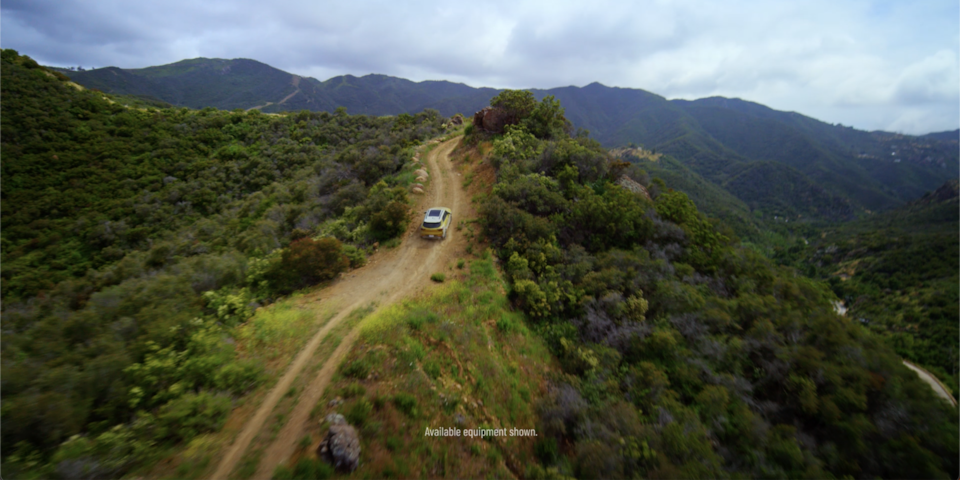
384,280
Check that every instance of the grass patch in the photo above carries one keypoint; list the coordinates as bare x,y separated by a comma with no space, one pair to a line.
356,369
438,277
353,390
359,412
406,403
447,358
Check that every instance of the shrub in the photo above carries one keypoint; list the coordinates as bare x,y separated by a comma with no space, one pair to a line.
239,377
547,450
230,308
389,222
355,255
307,262
460,264
438,277
193,414
506,324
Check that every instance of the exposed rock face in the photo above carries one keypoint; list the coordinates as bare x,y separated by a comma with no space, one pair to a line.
457,119
630,184
341,447
490,119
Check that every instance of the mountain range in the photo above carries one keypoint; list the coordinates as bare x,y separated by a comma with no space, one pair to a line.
776,164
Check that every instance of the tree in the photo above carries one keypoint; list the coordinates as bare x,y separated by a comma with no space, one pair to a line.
516,104
546,119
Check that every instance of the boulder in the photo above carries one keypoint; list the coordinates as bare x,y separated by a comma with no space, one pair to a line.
490,119
417,190
421,179
341,447
421,173
336,419
457,119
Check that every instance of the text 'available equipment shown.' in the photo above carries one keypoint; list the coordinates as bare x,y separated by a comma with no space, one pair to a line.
479,432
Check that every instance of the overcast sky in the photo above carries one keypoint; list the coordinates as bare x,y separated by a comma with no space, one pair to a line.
890,65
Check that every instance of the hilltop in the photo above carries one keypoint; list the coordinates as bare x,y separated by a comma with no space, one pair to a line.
823,172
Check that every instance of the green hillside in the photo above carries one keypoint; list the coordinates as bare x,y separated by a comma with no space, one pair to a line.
897,273
685,354
137,241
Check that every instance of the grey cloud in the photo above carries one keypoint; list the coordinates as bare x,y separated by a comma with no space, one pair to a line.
848,62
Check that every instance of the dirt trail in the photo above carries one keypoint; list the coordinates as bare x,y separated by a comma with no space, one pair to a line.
296,84
389,276
935,384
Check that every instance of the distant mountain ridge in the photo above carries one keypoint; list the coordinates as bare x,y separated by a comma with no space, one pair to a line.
760,155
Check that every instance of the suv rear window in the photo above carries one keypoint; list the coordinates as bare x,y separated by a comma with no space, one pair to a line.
431,224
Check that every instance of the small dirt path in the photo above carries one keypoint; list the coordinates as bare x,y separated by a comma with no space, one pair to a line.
296,84
934,383
389,276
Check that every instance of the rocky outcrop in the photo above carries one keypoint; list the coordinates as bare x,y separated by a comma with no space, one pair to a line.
633,186
490,119
341,446
456,119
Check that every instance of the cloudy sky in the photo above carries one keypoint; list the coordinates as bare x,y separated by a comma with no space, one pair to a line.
890,65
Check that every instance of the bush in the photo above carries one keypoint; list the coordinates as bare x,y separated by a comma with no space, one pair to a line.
193,414
547,450
355,255
506,324
239,377
307,262
389,222
438,277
